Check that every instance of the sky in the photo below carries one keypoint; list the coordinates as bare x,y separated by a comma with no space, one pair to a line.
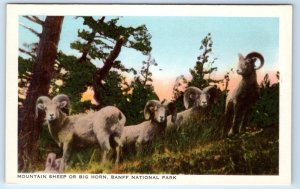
176,40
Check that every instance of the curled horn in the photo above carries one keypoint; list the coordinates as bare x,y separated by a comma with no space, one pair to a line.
213,92
41,104
149,108
171,108
64,102
258,56
194,91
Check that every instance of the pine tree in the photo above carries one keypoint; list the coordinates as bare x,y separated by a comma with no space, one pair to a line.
103,43
142,91
204,65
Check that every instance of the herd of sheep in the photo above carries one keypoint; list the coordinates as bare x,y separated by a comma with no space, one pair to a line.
109,122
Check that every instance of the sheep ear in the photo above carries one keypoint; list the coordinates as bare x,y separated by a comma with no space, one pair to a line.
40,107
147,115
148,111
241,57
40,104
149,108
63,104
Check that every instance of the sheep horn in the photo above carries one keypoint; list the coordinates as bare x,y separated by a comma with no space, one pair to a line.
63,100
40,104
171,108
187,93
213,91
147,111
209,89
256,55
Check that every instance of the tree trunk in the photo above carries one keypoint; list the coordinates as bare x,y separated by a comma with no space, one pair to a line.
30,128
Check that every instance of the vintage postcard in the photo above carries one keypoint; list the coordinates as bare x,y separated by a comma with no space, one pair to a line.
148,94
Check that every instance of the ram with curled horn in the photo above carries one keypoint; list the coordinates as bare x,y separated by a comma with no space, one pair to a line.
197,103
155,112
243,97
91,128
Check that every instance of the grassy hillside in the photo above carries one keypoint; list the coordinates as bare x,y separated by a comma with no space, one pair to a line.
196,148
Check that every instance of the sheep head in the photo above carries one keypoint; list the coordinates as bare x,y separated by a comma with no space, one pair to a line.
52,164
200,98
246,65
158,111
53,108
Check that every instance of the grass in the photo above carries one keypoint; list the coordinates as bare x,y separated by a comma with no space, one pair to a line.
195,148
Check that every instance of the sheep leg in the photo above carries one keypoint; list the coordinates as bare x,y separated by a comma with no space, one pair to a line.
236,120
140,145
226,119
118,155
241,126
106,148
118,141
65,157
104,156
103,140
118,149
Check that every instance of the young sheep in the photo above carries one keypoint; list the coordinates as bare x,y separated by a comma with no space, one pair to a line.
93,127
145,131
52,164
202,101
244,96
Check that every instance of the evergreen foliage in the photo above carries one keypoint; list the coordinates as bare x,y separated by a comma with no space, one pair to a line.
266,110
204,65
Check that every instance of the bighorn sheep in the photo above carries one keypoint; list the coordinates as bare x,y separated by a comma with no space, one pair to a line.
93,127
145,131
202,101
52,164
244,96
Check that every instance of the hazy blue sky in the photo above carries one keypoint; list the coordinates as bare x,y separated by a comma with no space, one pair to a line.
176,41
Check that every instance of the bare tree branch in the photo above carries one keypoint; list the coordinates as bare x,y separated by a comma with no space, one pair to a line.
30,29
111,58
111,40
34,19
39,21
27,52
